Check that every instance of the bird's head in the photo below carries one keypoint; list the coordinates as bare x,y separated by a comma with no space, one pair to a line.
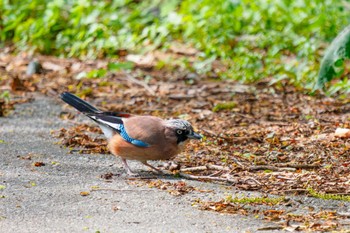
183,130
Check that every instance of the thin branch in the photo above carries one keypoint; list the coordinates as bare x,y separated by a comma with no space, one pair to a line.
300,166
193,177
120,190
206,167
272,168
270,228
256,181
344,214
194,169
181,97
217,167
140,83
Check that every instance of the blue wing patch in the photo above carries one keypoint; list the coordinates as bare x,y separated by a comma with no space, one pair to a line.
133,141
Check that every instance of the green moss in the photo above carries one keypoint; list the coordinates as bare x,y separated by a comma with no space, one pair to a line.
327,196
85,92
256,200
224,106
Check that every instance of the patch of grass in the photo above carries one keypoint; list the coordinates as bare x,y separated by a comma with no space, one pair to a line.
255,200
224,106
326,196
5,95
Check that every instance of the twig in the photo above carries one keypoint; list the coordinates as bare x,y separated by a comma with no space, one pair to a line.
256,181
209,132
272,168
216,173
140,83
181,97
194,169
192,177
304,166
237,162
299,166
217,167
120,190
206,167
142,178
268,228
344,214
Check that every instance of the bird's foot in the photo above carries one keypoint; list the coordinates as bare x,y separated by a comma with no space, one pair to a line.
155,170
171,166
132,174
129,172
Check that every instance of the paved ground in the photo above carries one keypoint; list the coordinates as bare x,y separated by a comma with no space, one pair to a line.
47,198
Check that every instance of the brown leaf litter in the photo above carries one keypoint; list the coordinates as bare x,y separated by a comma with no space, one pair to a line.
274,139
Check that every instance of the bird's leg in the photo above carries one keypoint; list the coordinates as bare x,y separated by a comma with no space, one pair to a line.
150,166
127,168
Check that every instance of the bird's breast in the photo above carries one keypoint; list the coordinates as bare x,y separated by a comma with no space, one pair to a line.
157,151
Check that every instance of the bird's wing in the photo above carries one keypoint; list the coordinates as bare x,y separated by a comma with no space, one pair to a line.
114,124
109,122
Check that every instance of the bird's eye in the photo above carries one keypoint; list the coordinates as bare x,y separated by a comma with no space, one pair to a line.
179,131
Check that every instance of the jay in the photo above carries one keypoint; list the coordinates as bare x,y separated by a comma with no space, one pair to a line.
139,138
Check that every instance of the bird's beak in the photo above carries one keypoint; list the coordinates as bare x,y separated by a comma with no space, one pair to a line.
194,136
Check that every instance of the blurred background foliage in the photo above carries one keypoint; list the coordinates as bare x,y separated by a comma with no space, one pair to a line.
282,40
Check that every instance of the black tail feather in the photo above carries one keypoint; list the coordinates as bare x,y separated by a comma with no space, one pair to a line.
79,104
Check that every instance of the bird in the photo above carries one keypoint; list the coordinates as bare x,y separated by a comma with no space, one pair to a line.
134,137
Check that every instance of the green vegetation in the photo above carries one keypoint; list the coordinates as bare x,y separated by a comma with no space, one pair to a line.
326,196
254,39
256,200
5,96
224,106
333,62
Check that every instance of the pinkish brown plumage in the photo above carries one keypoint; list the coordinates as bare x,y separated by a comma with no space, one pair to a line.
139,138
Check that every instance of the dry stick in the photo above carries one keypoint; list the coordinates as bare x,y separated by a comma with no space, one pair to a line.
143,178
272,168
256,181
268,228
209,132
217,167
216,173
206,167
194,169
120,190
344,214
138,82
193,177
300,166
181,97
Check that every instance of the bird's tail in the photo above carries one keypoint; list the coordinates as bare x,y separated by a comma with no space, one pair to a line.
79,104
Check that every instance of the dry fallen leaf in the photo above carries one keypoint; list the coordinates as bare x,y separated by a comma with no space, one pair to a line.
342,133
84,193
147,60
38,164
